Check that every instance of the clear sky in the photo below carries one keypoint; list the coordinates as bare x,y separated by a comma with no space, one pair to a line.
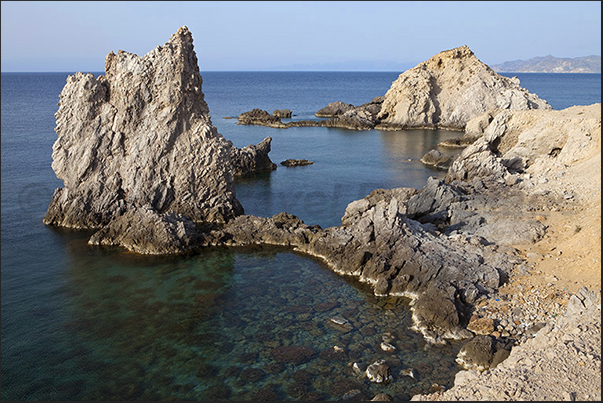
300,35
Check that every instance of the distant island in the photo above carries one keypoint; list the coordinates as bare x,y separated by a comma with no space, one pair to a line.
551,64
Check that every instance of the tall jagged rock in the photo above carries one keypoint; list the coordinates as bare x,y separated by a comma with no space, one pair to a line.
448,90
140,136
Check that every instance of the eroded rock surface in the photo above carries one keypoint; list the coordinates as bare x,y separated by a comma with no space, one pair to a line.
448,90
140,135
252,158
561,363
381,245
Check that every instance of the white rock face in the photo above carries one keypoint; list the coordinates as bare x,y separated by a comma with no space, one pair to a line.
448,90
140,136
541,143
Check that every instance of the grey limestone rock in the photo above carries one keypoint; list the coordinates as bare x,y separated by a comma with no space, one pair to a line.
448,90
140,135
252,158
379,372
144,231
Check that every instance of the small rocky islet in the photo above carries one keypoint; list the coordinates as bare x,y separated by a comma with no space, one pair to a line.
155,176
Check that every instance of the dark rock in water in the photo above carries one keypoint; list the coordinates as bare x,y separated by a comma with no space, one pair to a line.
483,352
292,354
253,158
379,372
348,116
345,116
282,113
264,395
296,163
334,109
436,159
260,117
251,374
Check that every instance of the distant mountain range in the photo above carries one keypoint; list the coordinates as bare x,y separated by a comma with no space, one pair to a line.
551,64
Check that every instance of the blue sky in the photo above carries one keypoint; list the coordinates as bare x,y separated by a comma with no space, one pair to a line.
306,35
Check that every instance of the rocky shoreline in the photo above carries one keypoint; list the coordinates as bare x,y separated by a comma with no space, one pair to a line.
156,177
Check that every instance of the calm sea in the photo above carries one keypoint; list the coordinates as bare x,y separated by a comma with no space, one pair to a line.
90,323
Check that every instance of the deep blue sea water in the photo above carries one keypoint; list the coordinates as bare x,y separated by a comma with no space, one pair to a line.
89,323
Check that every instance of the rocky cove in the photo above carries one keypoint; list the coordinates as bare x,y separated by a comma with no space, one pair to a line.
449,246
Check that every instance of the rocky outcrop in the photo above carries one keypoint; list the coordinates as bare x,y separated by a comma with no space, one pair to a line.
142,230
448,90
252,158
536,143
342,115
381,245
282,113
561,362
262,118
140,138
436,159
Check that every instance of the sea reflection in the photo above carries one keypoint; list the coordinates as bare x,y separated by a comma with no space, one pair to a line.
404,149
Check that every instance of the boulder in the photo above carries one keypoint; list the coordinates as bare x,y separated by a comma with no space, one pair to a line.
448,90
292,354
282,113
483,352
436,159
379,372
140,135
334,109
252,158
143,230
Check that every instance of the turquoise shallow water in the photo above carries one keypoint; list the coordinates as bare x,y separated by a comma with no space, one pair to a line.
89,323
224,324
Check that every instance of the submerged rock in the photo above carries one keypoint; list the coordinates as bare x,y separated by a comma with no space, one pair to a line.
379,372
293,354
448,90
140,135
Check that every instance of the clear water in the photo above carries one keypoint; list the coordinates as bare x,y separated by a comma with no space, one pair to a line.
89,323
